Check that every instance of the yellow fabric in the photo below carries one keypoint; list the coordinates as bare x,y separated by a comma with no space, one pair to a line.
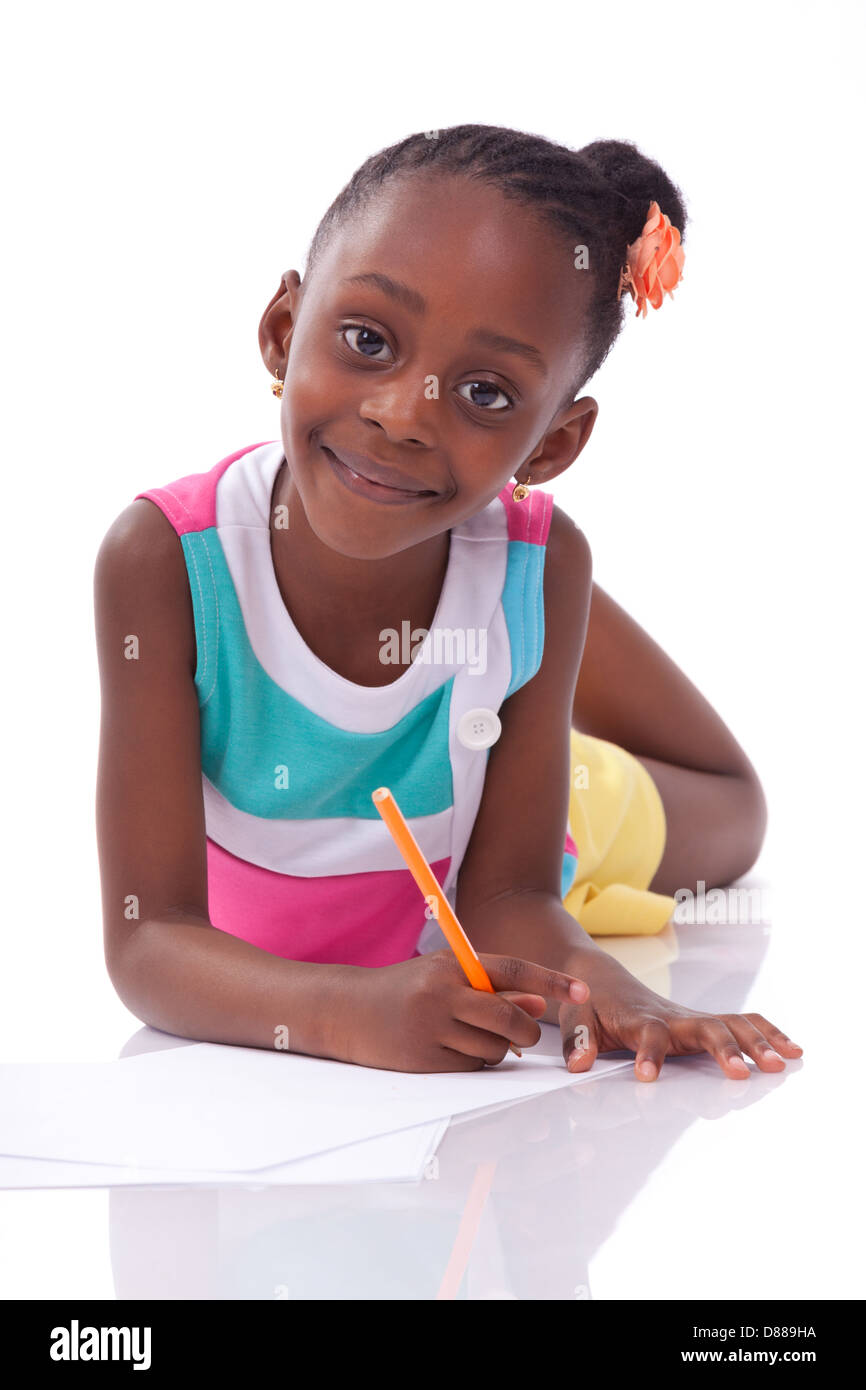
617,820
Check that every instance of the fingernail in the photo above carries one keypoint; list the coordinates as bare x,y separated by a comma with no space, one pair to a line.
647,1069
739,1064
772,1053
578,991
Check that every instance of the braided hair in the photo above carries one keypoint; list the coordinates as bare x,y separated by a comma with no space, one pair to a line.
597,196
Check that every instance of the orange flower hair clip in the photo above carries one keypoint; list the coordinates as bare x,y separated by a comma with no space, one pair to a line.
654,263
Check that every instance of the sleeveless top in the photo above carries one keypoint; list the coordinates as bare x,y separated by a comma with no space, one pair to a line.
299,861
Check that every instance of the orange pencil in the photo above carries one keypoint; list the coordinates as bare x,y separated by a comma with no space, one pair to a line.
439,904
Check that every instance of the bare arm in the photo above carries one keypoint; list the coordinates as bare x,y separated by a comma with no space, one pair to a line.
171,967
508,891
631,693
516,847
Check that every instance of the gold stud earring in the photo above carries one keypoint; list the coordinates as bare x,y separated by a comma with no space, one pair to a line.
521,490
277,386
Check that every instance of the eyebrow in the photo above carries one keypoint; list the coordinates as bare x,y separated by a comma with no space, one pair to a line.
415,303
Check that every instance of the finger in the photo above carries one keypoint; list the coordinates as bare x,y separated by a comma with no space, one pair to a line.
475,1042
499,1015
579,1040
532,1004
512,973
706,1033
654,1042
779,1040
452,1060
752,1041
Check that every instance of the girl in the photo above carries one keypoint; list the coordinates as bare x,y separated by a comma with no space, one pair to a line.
367,602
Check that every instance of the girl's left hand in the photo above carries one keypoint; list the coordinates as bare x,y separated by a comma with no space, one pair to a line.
621,1013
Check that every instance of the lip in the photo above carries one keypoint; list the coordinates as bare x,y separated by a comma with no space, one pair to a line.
371,479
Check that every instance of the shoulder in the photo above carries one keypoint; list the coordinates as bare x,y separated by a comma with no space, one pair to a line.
567,593
568,556
140,548
136,532
140,575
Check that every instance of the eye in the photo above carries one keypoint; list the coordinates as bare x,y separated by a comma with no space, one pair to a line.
369,342
487,388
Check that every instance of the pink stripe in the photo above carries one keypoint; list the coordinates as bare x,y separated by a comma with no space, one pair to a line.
528,520
338,919
570,846
190,503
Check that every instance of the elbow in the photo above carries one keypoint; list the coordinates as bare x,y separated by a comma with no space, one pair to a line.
128,990
752,819
131,973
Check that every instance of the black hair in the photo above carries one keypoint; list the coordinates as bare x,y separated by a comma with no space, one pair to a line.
598,196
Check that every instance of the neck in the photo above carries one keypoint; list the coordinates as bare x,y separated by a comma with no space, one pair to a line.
316,579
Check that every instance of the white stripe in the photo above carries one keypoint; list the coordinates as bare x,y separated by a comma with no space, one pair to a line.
313,848
468,765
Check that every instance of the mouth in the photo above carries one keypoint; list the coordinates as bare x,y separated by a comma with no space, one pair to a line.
364,477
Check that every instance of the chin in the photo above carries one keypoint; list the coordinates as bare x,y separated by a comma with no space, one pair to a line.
345,533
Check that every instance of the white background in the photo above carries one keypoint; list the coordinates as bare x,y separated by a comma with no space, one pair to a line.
164,165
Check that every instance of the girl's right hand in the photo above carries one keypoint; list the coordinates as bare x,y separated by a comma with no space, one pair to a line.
422,1015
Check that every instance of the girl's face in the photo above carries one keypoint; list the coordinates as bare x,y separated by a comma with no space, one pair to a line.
432,343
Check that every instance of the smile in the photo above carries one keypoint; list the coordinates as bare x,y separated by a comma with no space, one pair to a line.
364,487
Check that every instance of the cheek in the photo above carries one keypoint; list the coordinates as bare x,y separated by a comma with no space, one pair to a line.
312,392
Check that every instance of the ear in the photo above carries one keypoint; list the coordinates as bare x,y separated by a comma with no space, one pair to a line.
567,434
277,323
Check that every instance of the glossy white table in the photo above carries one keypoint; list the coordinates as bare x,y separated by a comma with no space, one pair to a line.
693,1186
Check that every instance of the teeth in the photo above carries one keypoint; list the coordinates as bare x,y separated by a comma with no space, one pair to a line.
363,479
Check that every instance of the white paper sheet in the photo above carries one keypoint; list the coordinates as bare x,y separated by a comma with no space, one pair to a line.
400,1157
216,1108
550,1045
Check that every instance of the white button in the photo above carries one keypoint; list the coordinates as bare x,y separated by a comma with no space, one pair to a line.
478,728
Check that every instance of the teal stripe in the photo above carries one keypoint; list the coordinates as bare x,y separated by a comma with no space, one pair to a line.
569,872
202,588
523,602
283,761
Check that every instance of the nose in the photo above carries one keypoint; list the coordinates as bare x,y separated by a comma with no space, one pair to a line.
399,409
